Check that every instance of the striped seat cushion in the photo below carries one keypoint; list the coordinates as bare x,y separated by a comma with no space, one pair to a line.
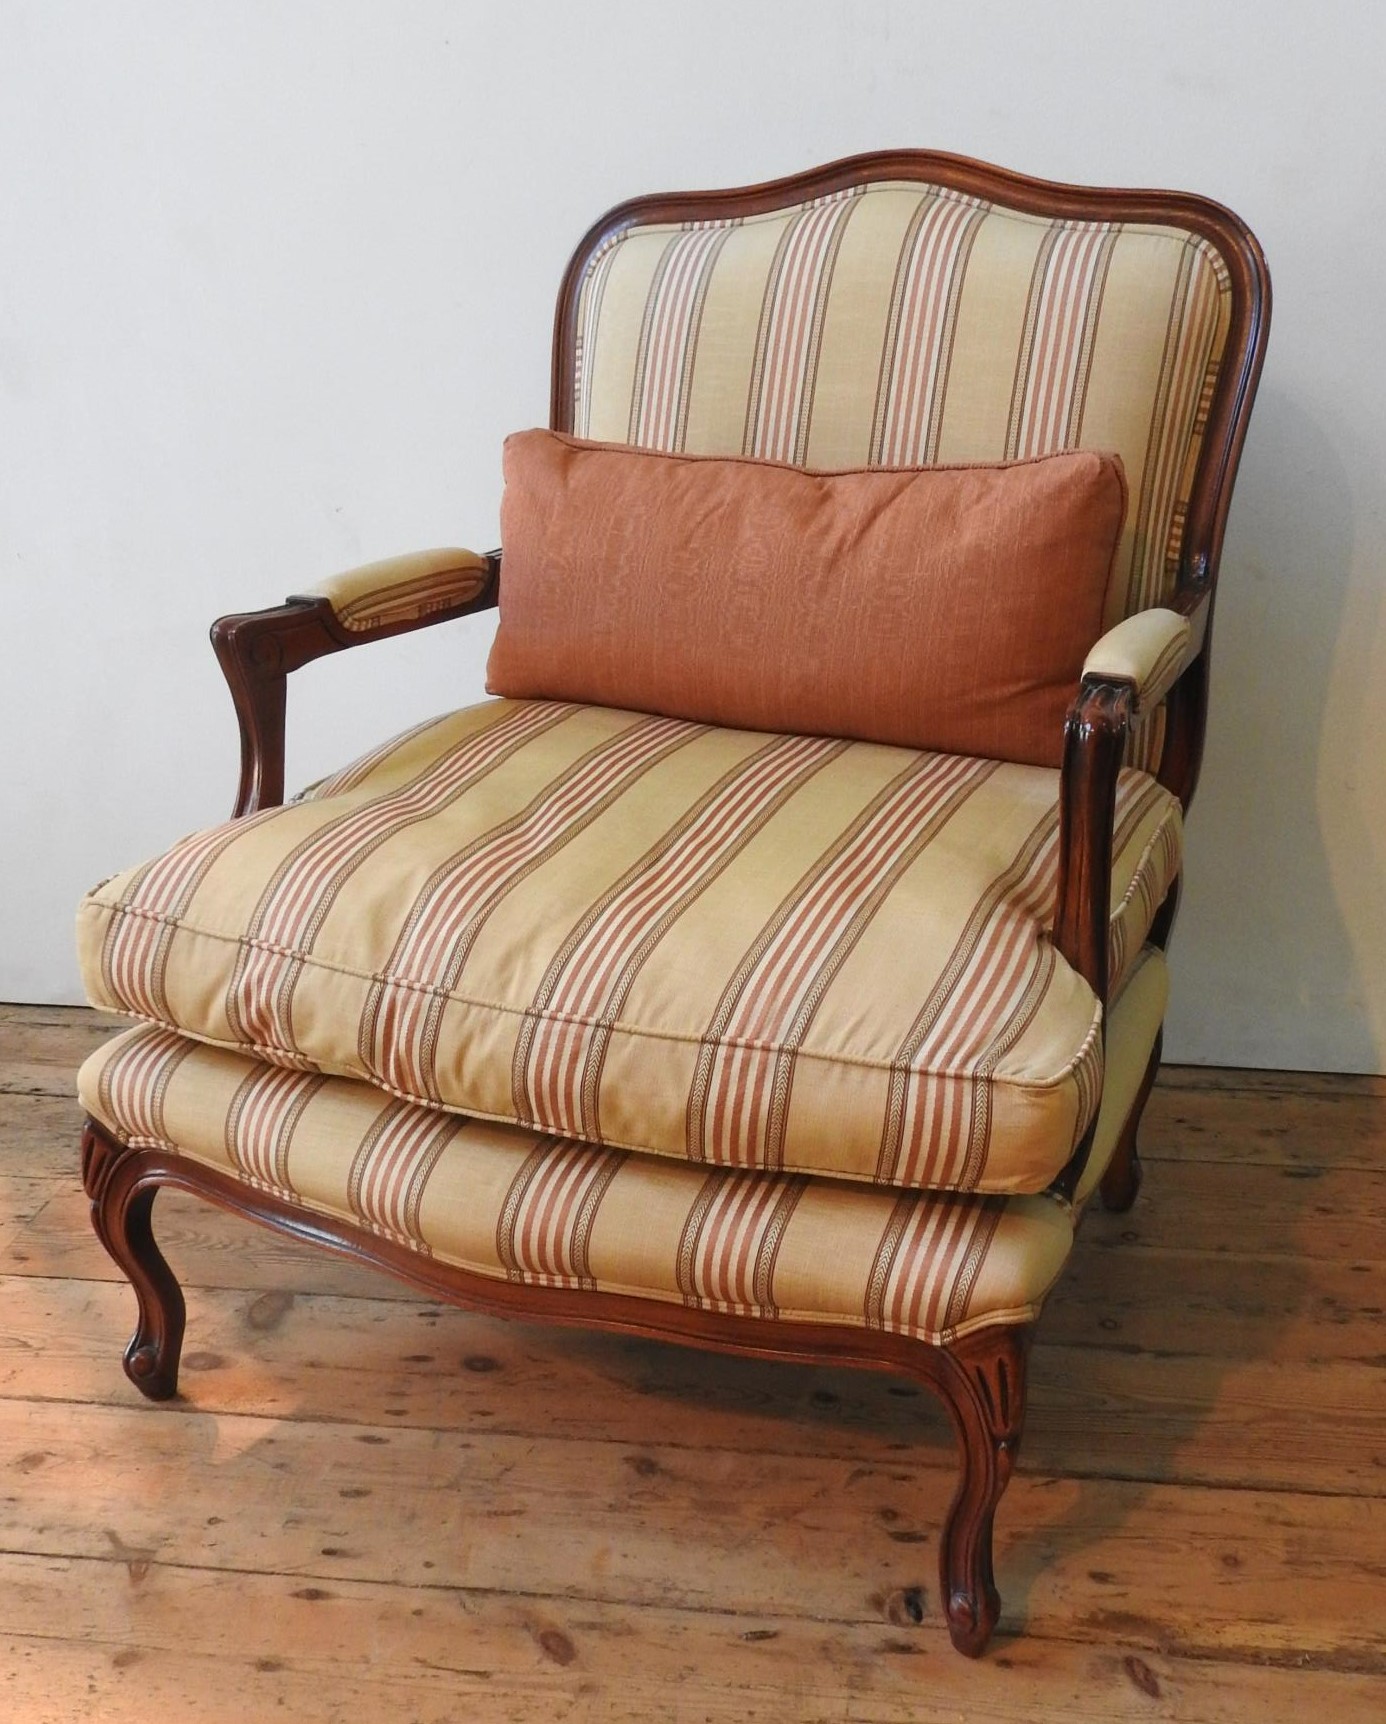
788,953
515,1205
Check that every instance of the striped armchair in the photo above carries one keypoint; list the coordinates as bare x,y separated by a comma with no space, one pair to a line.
789,1044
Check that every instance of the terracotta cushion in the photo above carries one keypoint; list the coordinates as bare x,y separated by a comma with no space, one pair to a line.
764,952
946,608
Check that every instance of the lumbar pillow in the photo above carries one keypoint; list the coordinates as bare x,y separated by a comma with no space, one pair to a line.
945,608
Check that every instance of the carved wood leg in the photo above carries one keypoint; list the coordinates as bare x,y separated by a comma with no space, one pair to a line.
120,1214
1122,1181
983,1387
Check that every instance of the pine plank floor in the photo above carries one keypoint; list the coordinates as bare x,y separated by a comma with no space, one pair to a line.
366,1506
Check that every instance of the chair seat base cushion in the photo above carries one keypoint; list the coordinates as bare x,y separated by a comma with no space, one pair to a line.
740,949
513,1204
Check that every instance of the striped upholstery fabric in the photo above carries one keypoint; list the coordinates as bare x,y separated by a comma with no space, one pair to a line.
403,589
899,323
517,1206
785,953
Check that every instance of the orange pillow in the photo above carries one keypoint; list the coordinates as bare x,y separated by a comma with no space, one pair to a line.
944,608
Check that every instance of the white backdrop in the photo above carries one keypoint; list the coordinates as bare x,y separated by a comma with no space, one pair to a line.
276,278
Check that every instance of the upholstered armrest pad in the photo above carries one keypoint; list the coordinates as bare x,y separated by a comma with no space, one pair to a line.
1149,650
403,589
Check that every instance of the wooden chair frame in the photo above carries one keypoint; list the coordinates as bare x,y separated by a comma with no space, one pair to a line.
981,1378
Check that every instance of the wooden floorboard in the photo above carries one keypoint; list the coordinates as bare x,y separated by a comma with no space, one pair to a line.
366,1506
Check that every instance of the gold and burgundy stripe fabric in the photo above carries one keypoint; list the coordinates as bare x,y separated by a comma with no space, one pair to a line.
562,1042
901,323
790,337
738,1106
788,954
515,1205
403,589
399,1031
921,326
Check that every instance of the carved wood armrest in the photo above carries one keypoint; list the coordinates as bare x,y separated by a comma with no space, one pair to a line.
1095,733
1094,738
1127,672
258,649
1094,742
1150,650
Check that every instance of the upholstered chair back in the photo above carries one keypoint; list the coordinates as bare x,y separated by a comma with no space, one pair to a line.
892,323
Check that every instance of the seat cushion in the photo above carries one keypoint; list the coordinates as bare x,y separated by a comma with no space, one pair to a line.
515,1205
757,951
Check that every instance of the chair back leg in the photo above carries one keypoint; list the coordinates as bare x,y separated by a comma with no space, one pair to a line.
1122,1181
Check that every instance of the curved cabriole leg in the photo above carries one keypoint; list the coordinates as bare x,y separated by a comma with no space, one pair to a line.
983,1387
120,1214
1121,1183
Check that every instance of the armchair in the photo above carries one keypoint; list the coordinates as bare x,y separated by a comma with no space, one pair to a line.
761,1040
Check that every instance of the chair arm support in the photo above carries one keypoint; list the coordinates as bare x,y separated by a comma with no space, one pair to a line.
1149,650
1094,743
1094,740
258,649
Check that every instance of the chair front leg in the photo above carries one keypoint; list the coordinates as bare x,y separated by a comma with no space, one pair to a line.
981,1380
120,1214
1121,1183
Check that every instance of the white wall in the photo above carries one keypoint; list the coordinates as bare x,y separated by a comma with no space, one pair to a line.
276,278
